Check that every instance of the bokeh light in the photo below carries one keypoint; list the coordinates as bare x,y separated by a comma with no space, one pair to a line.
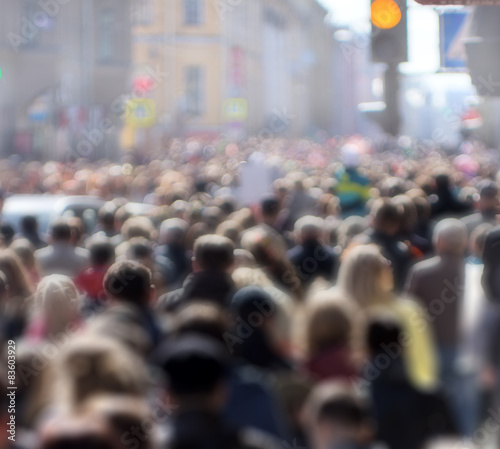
385,14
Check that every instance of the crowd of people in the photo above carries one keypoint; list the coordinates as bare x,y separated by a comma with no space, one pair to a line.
279,294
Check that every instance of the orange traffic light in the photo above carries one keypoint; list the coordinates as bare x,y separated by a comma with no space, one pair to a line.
385,14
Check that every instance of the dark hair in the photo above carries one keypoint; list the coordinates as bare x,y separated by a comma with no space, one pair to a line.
102,252
270,205
336,403
140,248
345,410
80,442
60,230
128,281
194,364
29,224
202,318
107,216
214,252
384,212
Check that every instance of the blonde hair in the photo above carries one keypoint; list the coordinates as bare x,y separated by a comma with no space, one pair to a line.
93,365
56,300
360,272
328,321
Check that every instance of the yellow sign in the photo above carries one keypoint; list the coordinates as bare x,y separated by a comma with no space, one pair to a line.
385,14
141,113
236,109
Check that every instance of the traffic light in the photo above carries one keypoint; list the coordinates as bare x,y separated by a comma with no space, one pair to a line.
389,43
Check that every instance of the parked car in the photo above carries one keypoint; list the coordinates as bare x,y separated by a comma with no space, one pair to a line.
46,208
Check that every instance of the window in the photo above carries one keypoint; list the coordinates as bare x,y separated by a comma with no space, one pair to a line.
142,12
106,47
193,12
195,90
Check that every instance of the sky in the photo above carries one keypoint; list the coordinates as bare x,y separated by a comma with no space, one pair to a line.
423,30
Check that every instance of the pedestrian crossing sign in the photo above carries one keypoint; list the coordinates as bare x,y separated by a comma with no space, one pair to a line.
141,113
236,109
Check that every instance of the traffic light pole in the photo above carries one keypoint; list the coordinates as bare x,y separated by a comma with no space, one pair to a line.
391,93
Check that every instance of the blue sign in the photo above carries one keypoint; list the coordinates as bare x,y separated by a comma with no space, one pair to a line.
452,27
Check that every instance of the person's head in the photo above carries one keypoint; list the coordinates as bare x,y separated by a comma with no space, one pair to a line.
7,232
60,231
350,228
308,229
56,302
386,216
334,414
125,414
93,365
78,431
213,253
173,232
204,318
408,210
129,282
141,250
138,227
106,217
29,224
19,283
270,209
450,237
101,252
230,229
366,275
196,368
488,196
328,322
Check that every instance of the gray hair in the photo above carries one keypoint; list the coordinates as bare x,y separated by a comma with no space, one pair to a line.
451,235
173,229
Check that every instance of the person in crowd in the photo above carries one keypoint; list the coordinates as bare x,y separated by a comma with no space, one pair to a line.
373,291
78,432
56,309
438,283
336,417
254,312
90,281
61,256
445,202
213,262
353,188
19,292
106,220
487,206
172,246
251,401
329,337
29,231
269,251
128,315
26,253
196,369
419,246
405,416
386,217
311,258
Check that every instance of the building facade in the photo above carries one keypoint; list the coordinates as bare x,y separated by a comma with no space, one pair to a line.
64,65
260,67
